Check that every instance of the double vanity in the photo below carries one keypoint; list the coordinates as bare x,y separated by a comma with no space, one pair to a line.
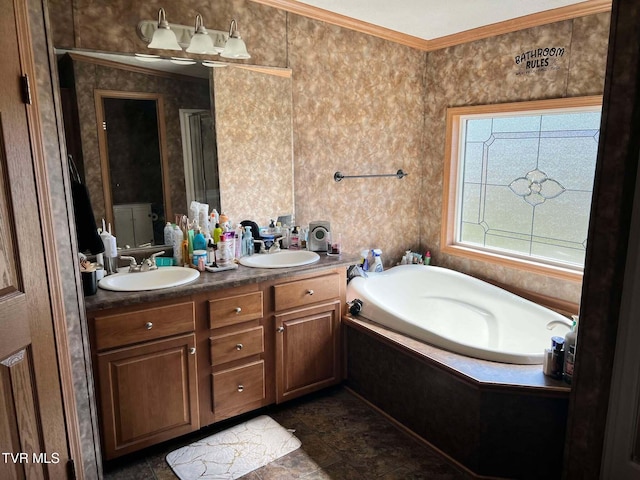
173,360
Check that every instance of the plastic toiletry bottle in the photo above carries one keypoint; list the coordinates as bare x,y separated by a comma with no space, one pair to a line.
377,260
569,363
177,245
214,218
168,234
547,362
247,242
364,262
238,241
427,258
570,340
217,234
294,241
211,252
199,242
557,357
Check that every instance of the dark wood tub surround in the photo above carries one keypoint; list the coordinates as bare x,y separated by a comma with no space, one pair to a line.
495,420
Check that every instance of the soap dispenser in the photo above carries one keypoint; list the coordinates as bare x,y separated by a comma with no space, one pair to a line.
247,242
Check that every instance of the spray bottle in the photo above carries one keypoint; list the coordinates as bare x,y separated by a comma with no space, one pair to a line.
377,260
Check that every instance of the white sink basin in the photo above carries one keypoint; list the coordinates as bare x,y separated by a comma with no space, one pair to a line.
163,277
282,259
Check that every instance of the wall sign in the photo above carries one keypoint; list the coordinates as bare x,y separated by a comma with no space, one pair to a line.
539,60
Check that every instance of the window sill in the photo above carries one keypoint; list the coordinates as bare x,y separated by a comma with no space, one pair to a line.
562,273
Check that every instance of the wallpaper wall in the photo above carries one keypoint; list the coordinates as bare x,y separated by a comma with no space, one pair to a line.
485,72
362,105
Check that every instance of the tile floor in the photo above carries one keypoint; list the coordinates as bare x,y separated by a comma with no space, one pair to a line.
342,438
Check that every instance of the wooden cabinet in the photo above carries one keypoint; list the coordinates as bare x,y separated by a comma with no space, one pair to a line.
307,323
147,382
170,367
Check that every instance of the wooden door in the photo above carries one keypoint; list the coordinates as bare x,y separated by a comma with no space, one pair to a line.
307,350
32,429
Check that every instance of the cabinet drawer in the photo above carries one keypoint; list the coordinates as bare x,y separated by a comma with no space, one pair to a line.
231,310
234,346
144,324
238,386
304,292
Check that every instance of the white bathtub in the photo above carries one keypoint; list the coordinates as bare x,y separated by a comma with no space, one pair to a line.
454,311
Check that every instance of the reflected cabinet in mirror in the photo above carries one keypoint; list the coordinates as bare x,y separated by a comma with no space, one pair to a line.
148,142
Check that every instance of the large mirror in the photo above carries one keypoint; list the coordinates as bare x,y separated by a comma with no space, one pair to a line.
147,142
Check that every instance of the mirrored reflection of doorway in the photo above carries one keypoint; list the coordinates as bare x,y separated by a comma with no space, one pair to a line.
200,157
133,164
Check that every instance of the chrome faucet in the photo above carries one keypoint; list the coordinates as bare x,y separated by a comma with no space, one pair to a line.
146,264
275,248
261,243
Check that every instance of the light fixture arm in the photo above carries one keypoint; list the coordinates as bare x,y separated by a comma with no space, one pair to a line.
199,27
162,19
233,29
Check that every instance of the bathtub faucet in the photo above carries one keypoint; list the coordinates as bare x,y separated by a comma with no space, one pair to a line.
355,307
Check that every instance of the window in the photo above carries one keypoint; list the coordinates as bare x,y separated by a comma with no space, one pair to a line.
518,183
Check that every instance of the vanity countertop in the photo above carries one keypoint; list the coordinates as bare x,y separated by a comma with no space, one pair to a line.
208,282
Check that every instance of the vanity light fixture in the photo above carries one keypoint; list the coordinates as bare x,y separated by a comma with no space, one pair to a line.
235,46
196,39
163,37
201,41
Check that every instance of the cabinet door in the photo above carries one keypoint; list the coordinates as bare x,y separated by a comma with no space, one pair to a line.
307,350
148,394
123,223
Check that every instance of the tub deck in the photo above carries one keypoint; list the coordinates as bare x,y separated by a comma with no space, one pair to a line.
481,371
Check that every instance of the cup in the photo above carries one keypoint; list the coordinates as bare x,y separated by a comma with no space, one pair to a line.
334,244
89,282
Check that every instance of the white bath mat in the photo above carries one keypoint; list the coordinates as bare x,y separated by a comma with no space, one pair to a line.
233,452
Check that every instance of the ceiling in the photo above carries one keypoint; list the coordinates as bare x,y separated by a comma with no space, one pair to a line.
433,24
430,19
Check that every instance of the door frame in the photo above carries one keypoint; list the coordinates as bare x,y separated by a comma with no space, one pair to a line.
67,435
99,96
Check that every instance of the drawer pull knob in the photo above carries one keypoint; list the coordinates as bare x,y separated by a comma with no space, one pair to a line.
280,329
148,325
239,346
240,388
192,350
238,310
309,292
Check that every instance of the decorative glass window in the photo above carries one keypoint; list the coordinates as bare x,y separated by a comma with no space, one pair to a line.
520,179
